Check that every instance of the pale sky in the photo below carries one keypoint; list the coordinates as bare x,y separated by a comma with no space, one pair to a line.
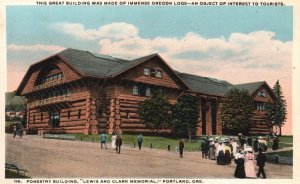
237,44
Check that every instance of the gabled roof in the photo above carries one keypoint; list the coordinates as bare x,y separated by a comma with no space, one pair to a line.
205,85
103,66
251,87
96,65
90,64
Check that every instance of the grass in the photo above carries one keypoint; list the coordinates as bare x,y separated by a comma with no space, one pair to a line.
288,139
11,174
282,153
157,142
163,142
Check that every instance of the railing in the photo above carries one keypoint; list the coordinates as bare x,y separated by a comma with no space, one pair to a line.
49,84
53,100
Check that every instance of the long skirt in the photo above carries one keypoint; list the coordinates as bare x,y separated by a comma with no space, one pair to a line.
221,158
212,153
227,157
240,168
249,169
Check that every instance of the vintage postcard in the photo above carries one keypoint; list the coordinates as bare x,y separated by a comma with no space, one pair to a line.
149,91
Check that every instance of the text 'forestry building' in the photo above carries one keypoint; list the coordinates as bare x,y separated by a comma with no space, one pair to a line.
78,91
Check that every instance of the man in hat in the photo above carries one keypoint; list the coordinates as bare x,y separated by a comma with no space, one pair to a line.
261,160
255,145
15,131
103,139
181,146
204,148
118,144
140,141
275,143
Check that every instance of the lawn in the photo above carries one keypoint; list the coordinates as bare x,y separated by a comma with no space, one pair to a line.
157,142
282,153
163,142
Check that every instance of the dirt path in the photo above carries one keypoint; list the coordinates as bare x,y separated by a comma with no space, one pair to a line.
58,158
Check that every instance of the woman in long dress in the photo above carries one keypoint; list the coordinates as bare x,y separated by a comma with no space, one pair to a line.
240,167
234,147
221,155
113,141
212,155
249,163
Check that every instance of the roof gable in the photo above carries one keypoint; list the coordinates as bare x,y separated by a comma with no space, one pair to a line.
205,85
254,87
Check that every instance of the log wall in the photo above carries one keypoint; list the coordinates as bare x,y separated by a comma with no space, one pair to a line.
77,116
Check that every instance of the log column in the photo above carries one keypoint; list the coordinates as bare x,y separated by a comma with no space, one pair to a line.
118,117
208,118
199,125
219,126
93,117
111,120
86,131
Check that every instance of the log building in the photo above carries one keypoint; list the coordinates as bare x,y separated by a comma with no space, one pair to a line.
77,91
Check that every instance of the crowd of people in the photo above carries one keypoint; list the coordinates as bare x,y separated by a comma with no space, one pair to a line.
241,150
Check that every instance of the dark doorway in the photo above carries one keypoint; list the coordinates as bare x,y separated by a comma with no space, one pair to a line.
203,116
54,119
214,117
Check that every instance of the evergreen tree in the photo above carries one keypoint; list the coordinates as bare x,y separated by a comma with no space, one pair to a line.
155,112
185,116
277,111
236,111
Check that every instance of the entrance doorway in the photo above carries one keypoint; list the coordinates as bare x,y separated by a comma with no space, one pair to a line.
54,119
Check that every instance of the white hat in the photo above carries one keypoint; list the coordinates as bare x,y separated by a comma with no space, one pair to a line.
211,139
260,137
216,137
249,149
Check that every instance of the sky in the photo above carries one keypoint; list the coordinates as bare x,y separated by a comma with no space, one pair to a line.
236,44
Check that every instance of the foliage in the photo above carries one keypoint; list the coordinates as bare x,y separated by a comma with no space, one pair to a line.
277,112
185,116
236,111
14,103
155,112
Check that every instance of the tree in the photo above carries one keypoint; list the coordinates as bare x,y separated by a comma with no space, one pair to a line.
155,112
185,116
236,111
277,111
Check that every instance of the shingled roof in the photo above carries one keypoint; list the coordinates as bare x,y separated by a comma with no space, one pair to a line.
97,65
102,66
251,87
205,85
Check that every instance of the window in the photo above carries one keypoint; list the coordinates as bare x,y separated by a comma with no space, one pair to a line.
146,71
262,93
148,91
260,106
135,90
34,118
158,74
69,114
153,72
54,119
42,118
53,77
